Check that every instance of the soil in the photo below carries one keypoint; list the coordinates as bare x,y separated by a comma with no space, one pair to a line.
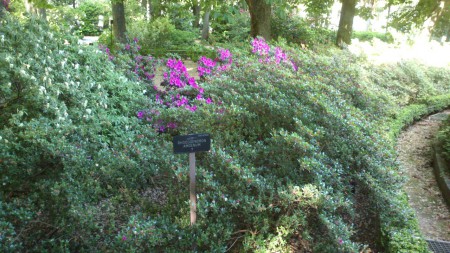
415,158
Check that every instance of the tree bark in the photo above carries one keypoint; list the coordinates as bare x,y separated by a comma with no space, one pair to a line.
196,12
29,7
146,7
344,34
205,30
119,28
43,13
260,14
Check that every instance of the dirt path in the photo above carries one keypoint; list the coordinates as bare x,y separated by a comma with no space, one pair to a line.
415,157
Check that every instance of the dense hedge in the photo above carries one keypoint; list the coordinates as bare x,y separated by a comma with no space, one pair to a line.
301,152
444,139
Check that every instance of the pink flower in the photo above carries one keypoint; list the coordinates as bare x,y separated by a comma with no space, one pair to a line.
224,54
124,238
279,55
209,101
260,46
140,114
172,125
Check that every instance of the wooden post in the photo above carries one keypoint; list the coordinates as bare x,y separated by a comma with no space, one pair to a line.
193,196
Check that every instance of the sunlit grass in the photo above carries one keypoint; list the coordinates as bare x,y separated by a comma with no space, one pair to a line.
429,53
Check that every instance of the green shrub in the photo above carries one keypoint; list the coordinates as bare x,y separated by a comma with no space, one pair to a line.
230,24
90,11
65,20
444,138
369,36
160,36
296,30
73,156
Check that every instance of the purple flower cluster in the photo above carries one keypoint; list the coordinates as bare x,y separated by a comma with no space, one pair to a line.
178,90
208,67
135,65
6,3
277,55
260,47
177,74
205,66
107,51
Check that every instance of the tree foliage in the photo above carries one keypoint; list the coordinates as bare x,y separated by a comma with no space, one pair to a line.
409,17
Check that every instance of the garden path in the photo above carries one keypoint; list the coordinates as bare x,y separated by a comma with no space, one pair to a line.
415,158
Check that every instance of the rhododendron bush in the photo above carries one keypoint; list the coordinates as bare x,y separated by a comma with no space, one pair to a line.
298,146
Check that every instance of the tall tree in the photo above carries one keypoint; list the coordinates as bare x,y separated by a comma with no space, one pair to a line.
260,15
205,29
344,34
196,8
118,13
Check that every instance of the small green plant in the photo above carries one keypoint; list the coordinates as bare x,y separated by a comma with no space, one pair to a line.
160,36
90,13
296,30
444,138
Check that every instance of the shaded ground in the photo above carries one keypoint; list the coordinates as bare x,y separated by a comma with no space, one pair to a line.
415,157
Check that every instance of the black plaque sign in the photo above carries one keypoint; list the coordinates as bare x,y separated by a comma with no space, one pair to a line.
191,143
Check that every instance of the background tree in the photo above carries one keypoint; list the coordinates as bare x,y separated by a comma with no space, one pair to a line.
196,8
260,15
119,26
344,34
319,11
37,7
410,17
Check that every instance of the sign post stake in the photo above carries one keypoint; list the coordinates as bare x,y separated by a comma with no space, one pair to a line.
192,194
190,144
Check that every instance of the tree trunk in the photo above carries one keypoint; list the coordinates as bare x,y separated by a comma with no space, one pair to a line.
146,5
388,18
196,12
260,14
344,34
118,12
205,30
29,7
442,11
43,13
